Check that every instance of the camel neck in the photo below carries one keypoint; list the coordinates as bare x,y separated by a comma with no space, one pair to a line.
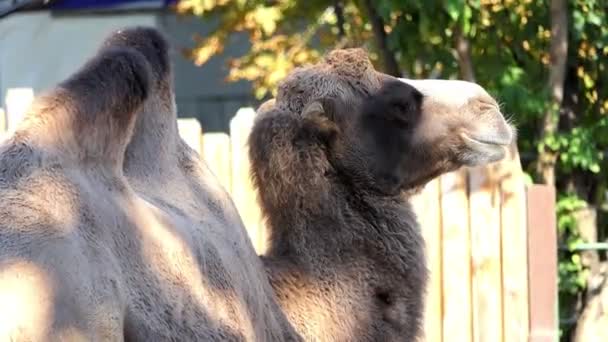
345,219
155,135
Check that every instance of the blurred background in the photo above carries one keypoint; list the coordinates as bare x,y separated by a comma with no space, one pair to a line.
544,60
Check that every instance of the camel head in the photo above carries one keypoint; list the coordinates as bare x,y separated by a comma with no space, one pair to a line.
392,134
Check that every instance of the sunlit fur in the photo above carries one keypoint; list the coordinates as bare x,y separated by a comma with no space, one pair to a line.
111,228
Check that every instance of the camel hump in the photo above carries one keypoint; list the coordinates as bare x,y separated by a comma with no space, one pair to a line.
90,115
108,89
150,42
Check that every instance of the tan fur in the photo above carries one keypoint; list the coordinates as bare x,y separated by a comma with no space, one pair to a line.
334,158
111,228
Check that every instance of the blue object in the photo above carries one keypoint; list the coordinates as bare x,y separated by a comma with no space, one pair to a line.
8,7
98,4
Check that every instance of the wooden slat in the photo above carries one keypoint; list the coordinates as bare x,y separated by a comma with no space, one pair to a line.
484,213
427,208
190,130
18,100
2,121
243,193
514,250
542,261
2,125
216,153
457,320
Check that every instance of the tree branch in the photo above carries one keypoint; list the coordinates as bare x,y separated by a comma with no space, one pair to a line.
463,48
388,57
339,10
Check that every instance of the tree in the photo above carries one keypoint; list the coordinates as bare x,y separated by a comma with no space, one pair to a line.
546,60
557,77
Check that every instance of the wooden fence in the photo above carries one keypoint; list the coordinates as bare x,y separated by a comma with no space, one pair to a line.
491,243
491,240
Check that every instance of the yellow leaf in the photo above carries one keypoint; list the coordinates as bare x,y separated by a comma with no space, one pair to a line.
267,18
210,47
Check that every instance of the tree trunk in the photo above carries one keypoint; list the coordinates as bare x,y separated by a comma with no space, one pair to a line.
557,75
391,66
339,10
463,48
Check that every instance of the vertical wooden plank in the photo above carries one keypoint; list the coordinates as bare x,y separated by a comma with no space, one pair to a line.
190,130
514,249
2,124
484,213
216,153
18,100
243,193
2,120
426,205
542,261
457,312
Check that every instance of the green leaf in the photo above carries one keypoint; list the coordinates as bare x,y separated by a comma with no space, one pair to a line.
595,168
454,8
589,82
466,20
594,19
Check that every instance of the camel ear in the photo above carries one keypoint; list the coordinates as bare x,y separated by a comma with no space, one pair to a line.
319,117
312,110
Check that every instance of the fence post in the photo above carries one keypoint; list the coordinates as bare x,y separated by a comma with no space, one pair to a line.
456,247
216,153
425,205
243,192
2,120
2,123
190,130
542,260
514,249
484,213
18,100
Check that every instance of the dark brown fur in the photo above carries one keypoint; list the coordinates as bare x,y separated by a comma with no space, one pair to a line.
329,188
333,158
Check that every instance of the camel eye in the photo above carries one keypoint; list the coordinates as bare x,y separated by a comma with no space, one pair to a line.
401,117
400,107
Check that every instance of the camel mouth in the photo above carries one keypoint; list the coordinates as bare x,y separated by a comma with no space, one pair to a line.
484,149
488,140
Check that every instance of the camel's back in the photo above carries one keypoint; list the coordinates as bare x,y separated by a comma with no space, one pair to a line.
59,277
202,268
92,254
111,228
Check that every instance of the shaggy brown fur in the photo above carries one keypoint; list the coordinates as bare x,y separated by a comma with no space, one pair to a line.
111,228
331,158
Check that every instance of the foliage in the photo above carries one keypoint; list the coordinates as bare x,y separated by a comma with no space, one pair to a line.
281,35
572,274
571,271
508,49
